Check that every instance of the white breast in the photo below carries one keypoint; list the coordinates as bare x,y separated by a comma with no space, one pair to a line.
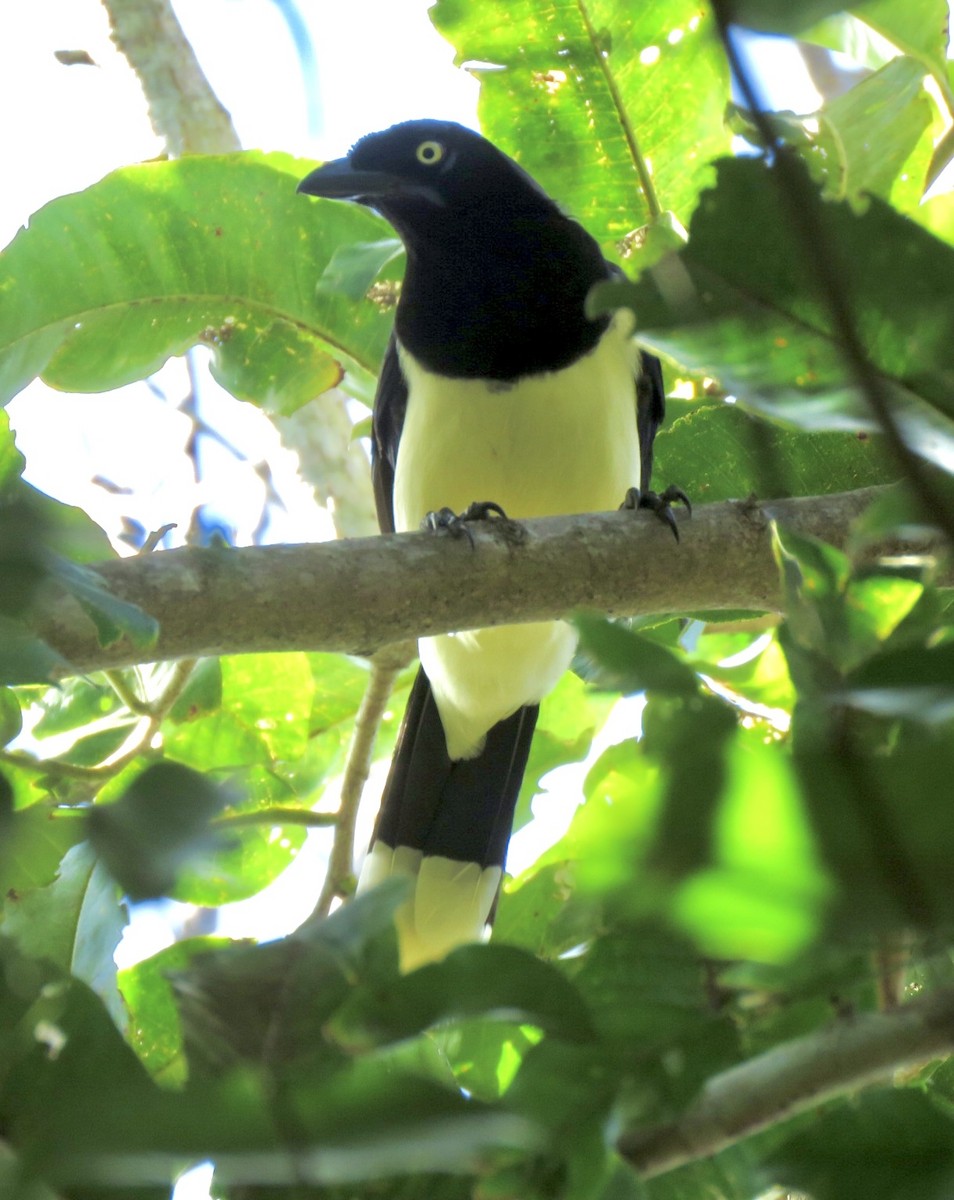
561,442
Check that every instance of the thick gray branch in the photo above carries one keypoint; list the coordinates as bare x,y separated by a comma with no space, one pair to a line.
358,595
794,1077
184,110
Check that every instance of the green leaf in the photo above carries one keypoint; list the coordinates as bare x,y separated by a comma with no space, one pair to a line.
721,452
154,1028
768,337
764,895
780,16
270,694
113,618
838,619
160,823
74,922
859,142
250,855
11,720
12,461
916,683
885,1145
577,79
353,268
73,703
269,1004
633,663
497,980
159,257
25,658
917,27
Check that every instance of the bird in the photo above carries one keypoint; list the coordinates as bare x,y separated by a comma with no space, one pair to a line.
497,395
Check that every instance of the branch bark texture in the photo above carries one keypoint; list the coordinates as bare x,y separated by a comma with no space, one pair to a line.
184,110
795,1077
356,596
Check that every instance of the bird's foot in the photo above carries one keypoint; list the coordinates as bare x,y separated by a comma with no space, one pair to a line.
457,524
660,503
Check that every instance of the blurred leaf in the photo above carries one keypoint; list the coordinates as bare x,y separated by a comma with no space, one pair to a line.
269,1004
913,683
885,1145
158,257
778,16
272,695
250,855
767,336
554,108
881,831
764,894
75,922
12,461
154,1029
354,267
113,618
691,739
11,720
633,663
569,717
160,823
839,619
25,658
917,27
202,693
497,980
543,913
75,702
858,144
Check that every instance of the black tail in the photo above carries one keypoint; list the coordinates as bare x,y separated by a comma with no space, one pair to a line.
447,824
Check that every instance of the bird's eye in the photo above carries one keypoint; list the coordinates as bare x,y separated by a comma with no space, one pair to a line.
429,153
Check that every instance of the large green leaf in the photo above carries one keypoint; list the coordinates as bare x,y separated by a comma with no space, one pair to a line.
578,77
741,303
103,286
720,452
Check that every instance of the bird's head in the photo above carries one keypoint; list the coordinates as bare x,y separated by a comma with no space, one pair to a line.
413,172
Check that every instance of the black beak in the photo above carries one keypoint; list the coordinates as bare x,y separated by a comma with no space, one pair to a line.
338,180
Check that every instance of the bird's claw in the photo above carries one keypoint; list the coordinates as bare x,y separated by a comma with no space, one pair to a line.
660,503
456,524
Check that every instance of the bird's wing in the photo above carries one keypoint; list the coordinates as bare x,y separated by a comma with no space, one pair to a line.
387,422
650,410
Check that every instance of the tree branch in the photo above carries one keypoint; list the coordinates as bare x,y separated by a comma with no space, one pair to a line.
184,110
356,596
795,1077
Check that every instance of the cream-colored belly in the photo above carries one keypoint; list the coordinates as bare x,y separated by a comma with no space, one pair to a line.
562,442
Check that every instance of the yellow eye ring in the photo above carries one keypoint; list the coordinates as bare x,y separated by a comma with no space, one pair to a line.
429,153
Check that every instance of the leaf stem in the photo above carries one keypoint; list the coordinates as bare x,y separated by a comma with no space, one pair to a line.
639,162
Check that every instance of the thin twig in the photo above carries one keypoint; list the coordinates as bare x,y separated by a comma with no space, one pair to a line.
128,694
279,816
385,667
152,717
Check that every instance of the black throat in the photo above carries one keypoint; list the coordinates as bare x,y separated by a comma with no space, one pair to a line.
497,294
